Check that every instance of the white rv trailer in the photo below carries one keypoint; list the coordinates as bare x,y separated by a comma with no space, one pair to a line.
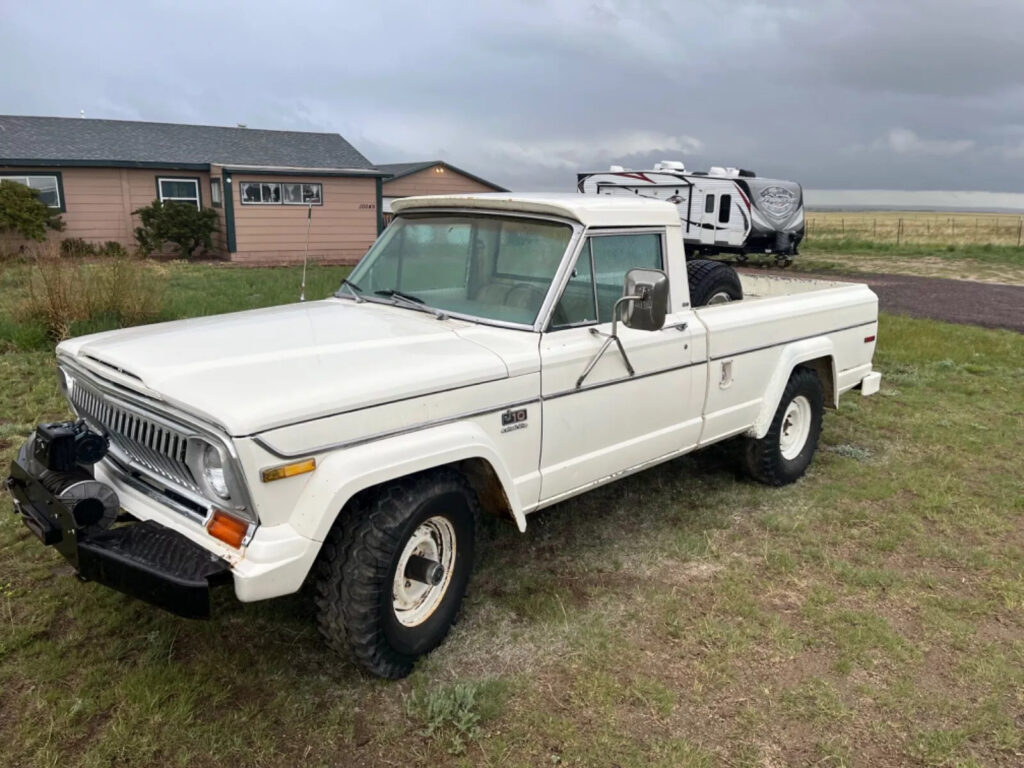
723,211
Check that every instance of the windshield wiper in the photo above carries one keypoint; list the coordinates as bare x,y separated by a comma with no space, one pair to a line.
355,289
413,302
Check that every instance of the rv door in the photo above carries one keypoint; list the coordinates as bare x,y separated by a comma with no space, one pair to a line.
709,217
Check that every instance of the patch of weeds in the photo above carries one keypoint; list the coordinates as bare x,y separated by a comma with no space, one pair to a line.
848,451
814,700
653,695
937,747
452,714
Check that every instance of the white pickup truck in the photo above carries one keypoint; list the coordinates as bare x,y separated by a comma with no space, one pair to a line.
495,353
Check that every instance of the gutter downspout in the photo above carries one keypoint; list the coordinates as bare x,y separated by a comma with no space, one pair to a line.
229,214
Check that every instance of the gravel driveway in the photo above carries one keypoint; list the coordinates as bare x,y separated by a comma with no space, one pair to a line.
954,301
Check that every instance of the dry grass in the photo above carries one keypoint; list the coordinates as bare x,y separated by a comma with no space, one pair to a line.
916,227
60,292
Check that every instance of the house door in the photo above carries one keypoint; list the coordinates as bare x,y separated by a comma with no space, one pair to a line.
612,421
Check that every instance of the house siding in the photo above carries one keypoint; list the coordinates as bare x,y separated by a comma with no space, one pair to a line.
99,201
341,230
427,182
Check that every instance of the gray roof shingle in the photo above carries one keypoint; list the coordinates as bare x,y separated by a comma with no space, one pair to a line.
89,141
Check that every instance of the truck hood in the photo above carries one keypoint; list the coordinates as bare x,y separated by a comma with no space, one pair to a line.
256,370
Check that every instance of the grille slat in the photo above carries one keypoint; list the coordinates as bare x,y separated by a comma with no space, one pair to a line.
150,444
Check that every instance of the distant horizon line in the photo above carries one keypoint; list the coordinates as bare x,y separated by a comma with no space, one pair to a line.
919,200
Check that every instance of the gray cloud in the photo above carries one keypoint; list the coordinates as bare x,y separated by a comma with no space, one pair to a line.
862,93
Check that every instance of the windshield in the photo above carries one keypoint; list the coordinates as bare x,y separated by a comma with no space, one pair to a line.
492,267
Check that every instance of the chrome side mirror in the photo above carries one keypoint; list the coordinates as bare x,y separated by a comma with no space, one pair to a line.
646,299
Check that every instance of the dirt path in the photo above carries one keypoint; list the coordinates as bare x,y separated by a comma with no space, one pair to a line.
954,301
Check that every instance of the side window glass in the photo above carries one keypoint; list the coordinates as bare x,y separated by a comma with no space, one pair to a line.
614,256
709,204
577,307
725,209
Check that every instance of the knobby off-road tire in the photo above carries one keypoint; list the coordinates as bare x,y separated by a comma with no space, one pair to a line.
783,455
712,282
361,609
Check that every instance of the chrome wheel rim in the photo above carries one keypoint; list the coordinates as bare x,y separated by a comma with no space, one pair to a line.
413,601
719,298
796,426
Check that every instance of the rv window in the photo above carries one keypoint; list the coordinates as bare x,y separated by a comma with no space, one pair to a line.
709,204
724,208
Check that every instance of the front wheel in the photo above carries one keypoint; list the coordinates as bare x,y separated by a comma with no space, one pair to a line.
783,455
393,572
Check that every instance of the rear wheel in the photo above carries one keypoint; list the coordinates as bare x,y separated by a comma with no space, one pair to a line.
393,572
783,455
712,282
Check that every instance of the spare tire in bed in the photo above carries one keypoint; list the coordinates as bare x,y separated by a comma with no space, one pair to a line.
712,282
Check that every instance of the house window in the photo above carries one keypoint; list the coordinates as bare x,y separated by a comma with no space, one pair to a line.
179,191
301,194
215,193
274,193
725,209
47,188
261,193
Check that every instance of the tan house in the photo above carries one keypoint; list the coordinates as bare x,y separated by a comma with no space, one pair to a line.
264,184
431,177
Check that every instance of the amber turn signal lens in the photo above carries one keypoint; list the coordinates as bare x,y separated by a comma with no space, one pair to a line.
288,470
228,529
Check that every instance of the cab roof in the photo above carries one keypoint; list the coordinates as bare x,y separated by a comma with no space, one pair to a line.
589,210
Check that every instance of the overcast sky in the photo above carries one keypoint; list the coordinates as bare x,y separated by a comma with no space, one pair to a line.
896,94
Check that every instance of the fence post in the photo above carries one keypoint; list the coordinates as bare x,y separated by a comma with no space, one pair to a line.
874,228
899,231
842,228
952,227
1020,226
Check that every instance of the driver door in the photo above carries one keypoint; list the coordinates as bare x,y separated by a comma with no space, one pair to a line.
612,421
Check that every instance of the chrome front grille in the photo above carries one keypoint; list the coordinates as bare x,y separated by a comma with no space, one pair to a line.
152,445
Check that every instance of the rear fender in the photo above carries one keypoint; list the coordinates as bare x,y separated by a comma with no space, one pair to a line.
341,475
820,354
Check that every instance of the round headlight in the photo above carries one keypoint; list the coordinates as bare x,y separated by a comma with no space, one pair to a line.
213,472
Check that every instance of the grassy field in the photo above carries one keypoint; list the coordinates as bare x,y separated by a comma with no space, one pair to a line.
965,246
870,615
929,228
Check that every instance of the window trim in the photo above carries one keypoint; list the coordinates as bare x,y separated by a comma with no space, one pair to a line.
216,190
194,179
14,176
280,184
585,245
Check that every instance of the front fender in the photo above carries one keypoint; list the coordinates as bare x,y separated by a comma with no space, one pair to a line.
342,474
820,348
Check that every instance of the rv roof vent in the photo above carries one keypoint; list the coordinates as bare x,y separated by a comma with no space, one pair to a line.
670,165
747,174
616,169
716,170
730,171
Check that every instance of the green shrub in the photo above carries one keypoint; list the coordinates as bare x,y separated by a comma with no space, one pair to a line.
22,213
175,222
77,247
